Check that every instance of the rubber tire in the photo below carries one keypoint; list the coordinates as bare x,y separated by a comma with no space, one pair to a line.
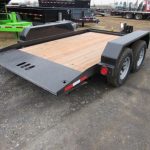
115,79
128,16
137,47
138,16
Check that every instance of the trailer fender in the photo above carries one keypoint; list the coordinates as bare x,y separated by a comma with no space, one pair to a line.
49,29
114,49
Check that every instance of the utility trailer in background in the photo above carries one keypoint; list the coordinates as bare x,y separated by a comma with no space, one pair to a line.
142,11
10,23
61,62
138,15
55,10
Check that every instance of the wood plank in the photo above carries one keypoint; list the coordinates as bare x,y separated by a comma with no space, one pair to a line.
78,52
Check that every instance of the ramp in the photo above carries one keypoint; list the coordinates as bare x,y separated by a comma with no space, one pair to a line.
46,74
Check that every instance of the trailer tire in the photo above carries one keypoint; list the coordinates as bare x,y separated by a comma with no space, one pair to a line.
122,68
128,16
138,16
139,51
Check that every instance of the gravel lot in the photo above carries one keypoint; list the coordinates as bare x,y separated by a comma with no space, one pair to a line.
93,117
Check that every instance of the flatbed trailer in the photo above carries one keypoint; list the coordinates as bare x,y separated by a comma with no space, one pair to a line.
59,63
138,15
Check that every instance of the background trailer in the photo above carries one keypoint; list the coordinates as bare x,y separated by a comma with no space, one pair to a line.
54,10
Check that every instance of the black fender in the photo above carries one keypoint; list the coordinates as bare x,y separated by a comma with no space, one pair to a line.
114,48
46,30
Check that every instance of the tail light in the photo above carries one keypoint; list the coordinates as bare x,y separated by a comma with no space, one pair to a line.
104,71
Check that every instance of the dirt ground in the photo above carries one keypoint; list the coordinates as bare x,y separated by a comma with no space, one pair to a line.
113,23
93,117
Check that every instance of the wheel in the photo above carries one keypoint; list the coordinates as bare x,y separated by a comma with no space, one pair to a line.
138,16
139,50
129,16
122,68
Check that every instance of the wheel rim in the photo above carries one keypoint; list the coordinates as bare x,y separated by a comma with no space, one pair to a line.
125,68
141,57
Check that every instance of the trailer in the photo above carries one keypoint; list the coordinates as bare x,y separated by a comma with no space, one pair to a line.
10,23
55,10
138,15
62,62
141,11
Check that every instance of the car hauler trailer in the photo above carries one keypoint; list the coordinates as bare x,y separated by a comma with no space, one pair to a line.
61,62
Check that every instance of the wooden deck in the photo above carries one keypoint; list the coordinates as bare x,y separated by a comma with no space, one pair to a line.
78,52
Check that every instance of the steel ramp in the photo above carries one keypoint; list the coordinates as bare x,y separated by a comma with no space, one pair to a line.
46,74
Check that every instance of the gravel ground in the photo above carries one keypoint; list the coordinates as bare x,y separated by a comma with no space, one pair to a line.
93,117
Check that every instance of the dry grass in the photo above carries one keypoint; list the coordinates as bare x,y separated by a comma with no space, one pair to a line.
7,39
113,23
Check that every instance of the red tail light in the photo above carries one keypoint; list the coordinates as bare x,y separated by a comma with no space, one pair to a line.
104,71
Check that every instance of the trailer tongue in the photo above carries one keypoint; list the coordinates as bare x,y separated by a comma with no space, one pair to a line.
59,63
